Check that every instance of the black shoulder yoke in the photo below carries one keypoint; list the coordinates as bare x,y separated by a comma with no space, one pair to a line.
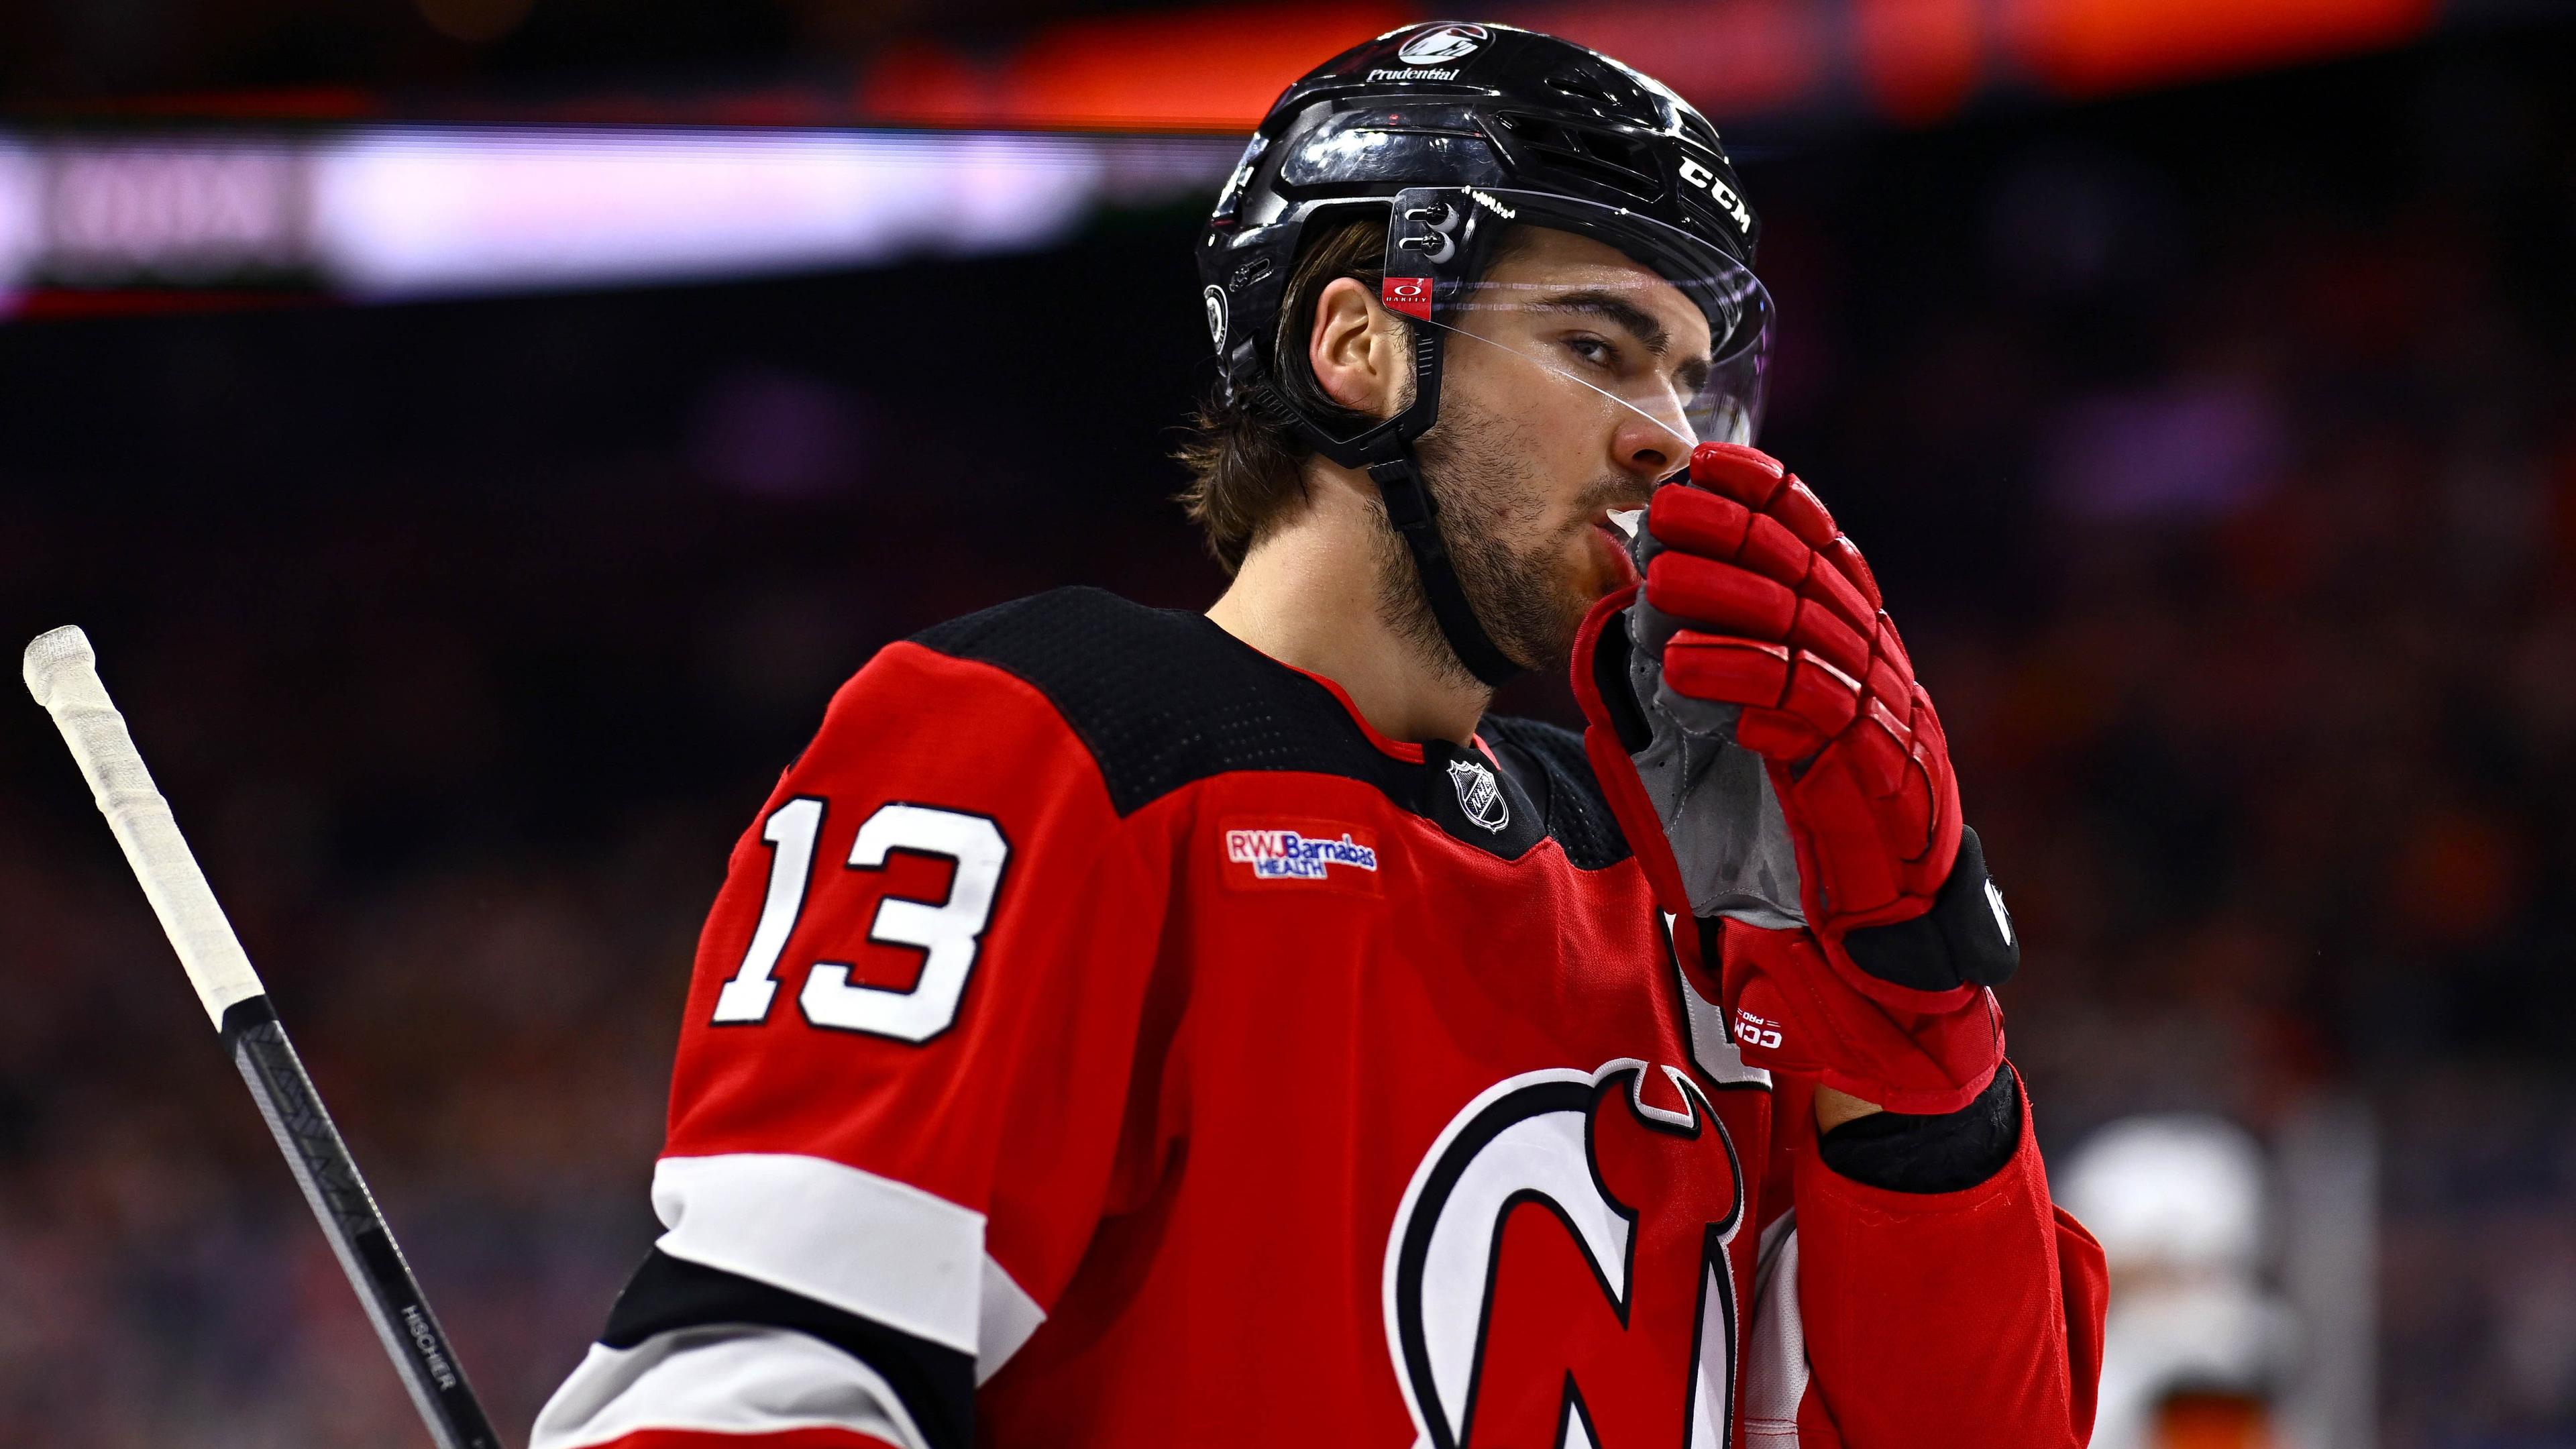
1548,762
1164,697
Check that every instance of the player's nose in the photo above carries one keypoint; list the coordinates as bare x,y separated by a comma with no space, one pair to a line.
1648,445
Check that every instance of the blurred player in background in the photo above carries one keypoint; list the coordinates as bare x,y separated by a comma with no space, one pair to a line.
2196,1352
1134,1027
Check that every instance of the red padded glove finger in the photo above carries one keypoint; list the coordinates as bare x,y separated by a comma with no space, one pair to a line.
1817,630
1827,584
1818,703
1822,697
1756,480
1726,670
1717,527
1772,550
1846,557
1698,522
1747,475
1723,598
1892,648
1793,543
1803,514
1777,734
1719,597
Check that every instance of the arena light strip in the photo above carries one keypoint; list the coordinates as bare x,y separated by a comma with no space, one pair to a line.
1214,68
379,211
1217,67
391,213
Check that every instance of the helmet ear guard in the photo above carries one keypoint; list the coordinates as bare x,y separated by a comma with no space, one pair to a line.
1434,249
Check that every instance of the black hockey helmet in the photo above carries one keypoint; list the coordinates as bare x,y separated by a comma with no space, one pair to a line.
1453,132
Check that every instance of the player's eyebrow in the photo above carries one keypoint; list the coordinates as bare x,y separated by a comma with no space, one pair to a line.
1636,321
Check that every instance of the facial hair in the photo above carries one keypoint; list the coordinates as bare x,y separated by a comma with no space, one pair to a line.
1476,465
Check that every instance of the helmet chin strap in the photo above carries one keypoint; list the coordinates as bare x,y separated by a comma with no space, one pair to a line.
1415,515
1388,458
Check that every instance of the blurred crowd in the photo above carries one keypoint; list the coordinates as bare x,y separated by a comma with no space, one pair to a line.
2274,726
2242,494
2217,450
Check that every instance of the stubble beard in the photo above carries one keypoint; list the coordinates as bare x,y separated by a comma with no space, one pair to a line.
1475,466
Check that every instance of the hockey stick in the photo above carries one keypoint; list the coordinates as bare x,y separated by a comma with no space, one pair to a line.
62,673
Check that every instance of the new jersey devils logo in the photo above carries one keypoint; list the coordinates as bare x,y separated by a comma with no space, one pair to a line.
1558,1276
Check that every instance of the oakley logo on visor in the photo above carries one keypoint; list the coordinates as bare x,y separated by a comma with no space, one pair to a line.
1408,295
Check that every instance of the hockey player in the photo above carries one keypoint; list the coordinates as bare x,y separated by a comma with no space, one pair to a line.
1128,1027
2197,1352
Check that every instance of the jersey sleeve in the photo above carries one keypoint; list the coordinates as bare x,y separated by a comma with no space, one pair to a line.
912,1034
1925,1320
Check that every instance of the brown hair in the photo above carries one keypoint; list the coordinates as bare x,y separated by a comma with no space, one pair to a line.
1247,464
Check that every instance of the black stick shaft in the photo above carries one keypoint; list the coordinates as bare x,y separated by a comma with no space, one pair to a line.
357,1230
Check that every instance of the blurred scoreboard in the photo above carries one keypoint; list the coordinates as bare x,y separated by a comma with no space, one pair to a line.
389,212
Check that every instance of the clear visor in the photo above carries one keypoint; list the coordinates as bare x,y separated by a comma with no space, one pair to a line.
1614,310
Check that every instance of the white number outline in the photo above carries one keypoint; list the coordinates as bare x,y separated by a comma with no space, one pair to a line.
948,933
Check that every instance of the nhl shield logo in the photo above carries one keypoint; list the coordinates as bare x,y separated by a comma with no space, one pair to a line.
1480,794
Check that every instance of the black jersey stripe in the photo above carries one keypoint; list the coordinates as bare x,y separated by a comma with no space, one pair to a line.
935,1382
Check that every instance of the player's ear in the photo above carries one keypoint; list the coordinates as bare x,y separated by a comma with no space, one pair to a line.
1356,348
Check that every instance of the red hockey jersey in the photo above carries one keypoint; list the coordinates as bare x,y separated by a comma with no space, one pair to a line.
1104,1038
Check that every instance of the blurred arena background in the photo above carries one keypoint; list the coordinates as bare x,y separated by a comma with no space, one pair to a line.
481,433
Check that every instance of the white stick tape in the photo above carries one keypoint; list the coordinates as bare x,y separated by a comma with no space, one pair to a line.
62,673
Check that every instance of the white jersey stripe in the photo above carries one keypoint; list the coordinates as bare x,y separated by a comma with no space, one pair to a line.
884,1250
1009,1316
729,1379
1775,1349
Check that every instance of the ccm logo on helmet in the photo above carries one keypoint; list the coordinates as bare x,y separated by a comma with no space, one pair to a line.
1694,174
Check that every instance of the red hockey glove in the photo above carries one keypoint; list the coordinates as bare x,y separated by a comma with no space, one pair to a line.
1759,731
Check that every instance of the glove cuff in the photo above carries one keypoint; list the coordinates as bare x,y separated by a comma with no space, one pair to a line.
1611,714
1792,1012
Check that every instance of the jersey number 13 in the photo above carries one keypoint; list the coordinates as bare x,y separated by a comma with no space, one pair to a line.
946,932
